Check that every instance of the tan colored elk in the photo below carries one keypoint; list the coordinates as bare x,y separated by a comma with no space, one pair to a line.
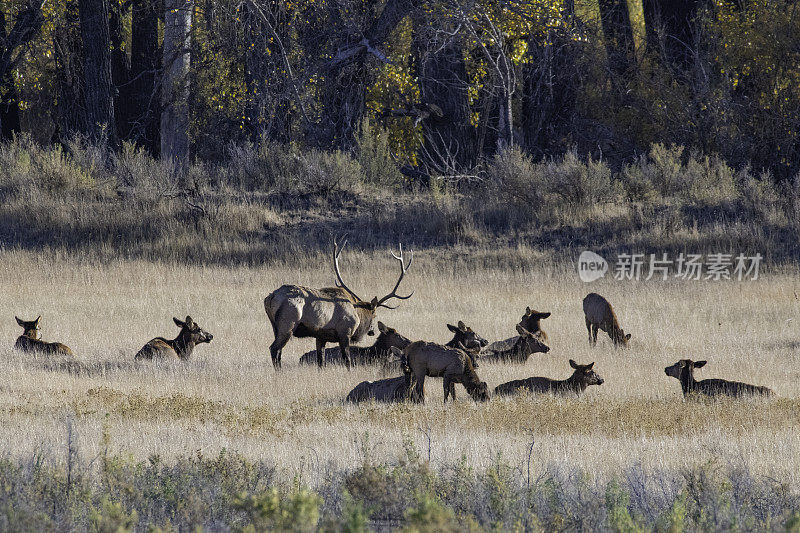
527,343
575,384
363,355
683,371
31,340
385,390
333,314
600,315
451,364
530,321
179,348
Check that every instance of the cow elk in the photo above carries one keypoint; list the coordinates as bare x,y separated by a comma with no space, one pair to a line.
527,343
683,371
600,315
385,390
31,340
530,321
451,364
363,355
179,348
582,377
333,314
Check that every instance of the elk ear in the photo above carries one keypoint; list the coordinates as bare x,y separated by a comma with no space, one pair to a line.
461,326
374,303
178,322
573,364
628,337
544,315
38,318
590,365
19,321
698,364
452,328
382,327
397,352
528,311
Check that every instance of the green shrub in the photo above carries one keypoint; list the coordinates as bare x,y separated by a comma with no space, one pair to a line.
375,156
268,511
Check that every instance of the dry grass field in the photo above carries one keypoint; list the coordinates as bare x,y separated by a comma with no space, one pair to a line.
229,397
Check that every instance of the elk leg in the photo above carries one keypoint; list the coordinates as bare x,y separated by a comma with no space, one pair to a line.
344,347
594,333
320,353
277,346
589,329
419,390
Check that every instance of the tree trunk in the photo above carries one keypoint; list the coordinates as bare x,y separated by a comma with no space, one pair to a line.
120,71
669,30
618,36
9,107
69,71
145,68
99,89
175,86
449,138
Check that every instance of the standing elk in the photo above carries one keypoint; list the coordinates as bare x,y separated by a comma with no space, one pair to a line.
180,347
600,315
683,371
385,390
464,338
530,321
451,364
30,340
575,384
527,343
363,355
333,314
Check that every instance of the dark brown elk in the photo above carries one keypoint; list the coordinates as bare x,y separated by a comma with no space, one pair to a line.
385,390
527,343
334,314
179,348
600,315
363,355
30,341
531,321
582,377
451,364
683,371
464,338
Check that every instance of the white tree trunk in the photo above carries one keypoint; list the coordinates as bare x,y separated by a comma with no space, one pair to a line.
175,88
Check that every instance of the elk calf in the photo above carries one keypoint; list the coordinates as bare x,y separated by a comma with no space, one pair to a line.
452,364
600,315
30,340
181,347
683,371
530,321
385,390
362,355
575,384
527,343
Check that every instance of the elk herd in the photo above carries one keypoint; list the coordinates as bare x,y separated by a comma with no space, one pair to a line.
338,315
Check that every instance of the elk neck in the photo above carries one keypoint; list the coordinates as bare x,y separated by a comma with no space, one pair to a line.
183,344
687,380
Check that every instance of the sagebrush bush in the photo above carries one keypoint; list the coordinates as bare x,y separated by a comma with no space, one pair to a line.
375,156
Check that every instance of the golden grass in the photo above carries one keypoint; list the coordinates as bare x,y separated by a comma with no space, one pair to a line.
228,395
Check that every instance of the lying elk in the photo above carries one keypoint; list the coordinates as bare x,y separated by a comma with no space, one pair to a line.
600,315
683,371
30,340
363,355
179,348
575,384
452,364
531,321
527,343
385,390
334,314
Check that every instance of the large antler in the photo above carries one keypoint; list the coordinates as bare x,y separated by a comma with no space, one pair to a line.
403,269
339,282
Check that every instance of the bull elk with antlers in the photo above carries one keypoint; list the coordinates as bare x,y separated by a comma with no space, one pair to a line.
333,314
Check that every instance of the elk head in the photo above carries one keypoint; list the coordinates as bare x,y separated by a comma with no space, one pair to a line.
368,309
31,327
191,332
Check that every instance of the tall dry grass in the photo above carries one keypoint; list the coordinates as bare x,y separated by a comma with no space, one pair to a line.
229,397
